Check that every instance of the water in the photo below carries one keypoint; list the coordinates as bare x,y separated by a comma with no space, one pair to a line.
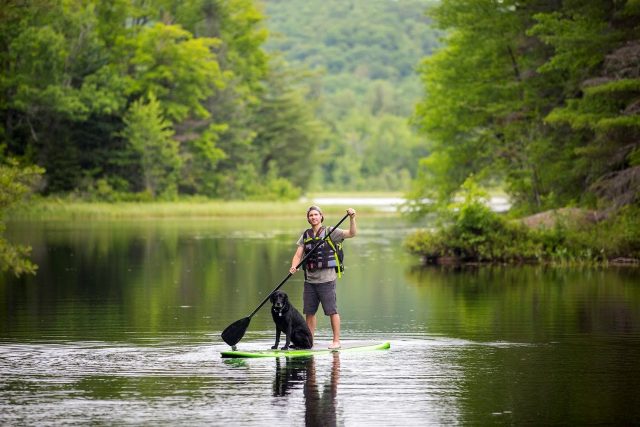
121,327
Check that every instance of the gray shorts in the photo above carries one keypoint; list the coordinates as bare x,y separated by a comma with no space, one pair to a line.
316,293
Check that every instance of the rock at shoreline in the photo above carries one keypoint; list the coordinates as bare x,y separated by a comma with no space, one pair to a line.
574,216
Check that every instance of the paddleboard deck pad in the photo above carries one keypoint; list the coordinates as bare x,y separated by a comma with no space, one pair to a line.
302,353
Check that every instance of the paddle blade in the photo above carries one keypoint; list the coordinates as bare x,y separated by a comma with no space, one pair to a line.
235,331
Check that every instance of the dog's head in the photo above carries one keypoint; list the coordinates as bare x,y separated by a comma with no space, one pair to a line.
279,300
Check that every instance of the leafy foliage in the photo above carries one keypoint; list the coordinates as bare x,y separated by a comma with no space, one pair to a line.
474,233
15,184
539,97
75,70
150,137
471,231
92,88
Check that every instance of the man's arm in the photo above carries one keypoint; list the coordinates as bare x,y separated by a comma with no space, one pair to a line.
352,231
297,257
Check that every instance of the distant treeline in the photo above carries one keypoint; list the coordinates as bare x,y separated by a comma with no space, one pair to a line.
540,97
139,100
365,55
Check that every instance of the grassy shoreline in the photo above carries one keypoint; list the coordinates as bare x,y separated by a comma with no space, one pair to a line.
61,209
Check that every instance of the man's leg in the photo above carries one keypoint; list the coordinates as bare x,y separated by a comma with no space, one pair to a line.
311,323
335,327
311,303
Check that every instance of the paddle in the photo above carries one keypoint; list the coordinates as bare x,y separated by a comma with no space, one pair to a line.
235,331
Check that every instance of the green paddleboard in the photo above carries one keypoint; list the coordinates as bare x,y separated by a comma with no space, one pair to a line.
301,353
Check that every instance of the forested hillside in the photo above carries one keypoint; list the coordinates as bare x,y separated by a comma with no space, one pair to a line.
364,55
539,97
144,100
125,99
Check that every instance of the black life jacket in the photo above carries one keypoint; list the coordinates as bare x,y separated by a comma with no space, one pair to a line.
328,255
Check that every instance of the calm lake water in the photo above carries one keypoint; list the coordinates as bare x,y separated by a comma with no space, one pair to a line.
122,324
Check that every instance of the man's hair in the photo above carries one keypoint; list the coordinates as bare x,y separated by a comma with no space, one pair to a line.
315,208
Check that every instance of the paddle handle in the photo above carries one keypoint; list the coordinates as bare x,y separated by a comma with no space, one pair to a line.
298,266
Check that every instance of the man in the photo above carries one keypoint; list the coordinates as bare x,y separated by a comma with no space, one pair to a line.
320,271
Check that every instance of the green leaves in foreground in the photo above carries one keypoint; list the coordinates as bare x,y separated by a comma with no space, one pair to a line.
15,183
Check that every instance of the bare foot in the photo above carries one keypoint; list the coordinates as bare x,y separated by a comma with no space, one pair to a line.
334,345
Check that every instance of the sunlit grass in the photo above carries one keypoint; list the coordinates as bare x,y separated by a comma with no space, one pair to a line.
62,209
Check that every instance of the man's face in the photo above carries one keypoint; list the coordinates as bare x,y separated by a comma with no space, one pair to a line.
314,217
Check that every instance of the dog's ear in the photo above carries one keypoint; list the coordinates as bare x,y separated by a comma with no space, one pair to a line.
272,298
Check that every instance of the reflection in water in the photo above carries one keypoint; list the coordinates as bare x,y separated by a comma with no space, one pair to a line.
289,374
527,303
320,407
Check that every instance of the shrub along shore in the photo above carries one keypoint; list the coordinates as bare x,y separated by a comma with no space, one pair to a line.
472,233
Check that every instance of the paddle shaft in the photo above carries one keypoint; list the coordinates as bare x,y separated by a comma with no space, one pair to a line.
298,266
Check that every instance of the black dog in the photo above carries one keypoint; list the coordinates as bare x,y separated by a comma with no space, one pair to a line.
290,321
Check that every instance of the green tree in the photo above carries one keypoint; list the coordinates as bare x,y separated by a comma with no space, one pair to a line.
505,97
150,136
287,131
39,95
596,46
217,147
179,69
74,68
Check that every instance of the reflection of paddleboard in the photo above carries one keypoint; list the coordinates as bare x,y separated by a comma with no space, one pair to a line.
302,353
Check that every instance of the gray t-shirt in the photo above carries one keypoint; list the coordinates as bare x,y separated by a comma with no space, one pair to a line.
323,275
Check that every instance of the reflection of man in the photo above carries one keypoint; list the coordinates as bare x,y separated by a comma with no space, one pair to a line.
320,410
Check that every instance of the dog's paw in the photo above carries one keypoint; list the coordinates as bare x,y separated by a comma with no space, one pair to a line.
285,347
274,347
